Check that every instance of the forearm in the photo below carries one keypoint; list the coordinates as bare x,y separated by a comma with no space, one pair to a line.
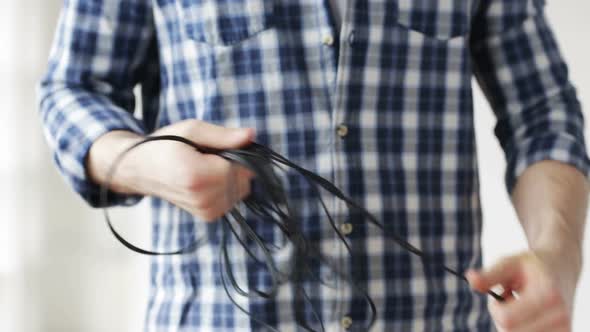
551,199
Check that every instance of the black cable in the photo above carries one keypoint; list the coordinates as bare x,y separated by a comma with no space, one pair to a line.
271,205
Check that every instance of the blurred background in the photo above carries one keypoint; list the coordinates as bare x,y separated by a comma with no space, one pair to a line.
60,269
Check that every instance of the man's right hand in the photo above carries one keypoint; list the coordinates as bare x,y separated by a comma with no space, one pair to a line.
205,185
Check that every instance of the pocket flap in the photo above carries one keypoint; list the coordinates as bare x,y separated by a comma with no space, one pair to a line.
441,19
225,22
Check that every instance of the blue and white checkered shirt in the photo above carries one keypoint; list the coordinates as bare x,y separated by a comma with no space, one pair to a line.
382,107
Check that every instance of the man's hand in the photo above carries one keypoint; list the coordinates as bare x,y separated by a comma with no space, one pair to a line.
538,293
550,199
205,185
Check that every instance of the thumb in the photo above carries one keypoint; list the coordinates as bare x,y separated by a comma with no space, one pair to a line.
505,273
218,137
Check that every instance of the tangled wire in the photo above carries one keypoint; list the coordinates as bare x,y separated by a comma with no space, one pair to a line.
271,204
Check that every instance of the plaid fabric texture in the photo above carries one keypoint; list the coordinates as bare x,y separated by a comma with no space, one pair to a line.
382,107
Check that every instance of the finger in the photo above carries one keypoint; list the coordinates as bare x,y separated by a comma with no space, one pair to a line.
505,272
219,137
531,304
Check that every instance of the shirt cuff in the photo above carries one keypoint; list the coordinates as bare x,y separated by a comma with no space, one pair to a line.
563,148
80,140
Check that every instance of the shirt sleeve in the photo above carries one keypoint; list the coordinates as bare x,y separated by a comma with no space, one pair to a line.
518,64
98,56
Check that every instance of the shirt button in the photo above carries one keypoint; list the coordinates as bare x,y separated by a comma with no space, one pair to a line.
346,228
342,130
346,322
328,40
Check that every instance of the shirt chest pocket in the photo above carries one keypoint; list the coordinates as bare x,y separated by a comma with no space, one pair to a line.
439,19
225,22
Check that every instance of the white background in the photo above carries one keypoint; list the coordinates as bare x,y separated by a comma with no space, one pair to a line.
60,270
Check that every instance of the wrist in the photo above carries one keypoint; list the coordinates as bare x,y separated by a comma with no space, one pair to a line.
103,153
554,232
563,262
564,265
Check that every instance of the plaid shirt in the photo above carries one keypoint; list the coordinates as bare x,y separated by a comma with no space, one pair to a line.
382,107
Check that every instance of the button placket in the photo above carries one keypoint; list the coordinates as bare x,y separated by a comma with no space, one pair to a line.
341,131
328,53
328,42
